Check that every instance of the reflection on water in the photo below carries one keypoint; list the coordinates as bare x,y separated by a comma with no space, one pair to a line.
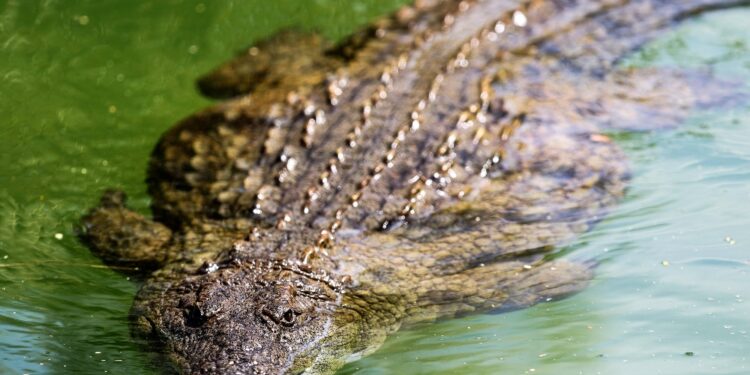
88,87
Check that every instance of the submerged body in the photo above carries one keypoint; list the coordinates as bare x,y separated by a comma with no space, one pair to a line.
425,168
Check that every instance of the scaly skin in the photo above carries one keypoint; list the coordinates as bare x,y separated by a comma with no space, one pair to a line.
426,167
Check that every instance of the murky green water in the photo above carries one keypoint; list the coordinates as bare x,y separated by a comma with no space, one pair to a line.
87,87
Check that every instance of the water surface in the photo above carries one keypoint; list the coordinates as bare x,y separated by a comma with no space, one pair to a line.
87,88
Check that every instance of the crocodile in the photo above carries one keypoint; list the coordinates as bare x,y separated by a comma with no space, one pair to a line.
424,168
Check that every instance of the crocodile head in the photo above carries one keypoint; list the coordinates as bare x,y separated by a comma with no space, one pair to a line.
251,317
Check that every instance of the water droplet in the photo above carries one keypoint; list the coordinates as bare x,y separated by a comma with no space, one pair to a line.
212,267
499,27
519,19
82,20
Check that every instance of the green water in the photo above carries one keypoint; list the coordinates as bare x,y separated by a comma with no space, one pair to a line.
87,87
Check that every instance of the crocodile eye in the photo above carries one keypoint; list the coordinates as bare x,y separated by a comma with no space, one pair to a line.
287,318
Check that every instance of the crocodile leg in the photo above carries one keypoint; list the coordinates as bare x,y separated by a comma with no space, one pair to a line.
123,237
291,59
500,286
628,99
582,83
598,44
288,59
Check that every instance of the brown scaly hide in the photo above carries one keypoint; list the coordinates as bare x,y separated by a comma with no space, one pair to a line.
426,167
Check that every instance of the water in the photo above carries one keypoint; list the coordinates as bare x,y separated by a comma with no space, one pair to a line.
88,87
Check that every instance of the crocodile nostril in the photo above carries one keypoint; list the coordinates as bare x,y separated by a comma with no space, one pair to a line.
194,317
